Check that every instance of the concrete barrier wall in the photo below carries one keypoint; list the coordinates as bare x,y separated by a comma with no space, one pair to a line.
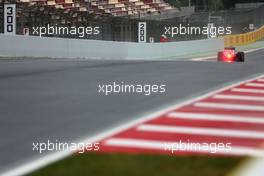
31,46
184,49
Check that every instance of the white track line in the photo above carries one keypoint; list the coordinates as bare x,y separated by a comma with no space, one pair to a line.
214,57
215,117
252,50
238,97
203,58
255,84
43,161
229,106
201,131
252,167
246,90
161,145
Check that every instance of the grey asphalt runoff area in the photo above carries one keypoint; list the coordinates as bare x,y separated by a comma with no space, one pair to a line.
58,99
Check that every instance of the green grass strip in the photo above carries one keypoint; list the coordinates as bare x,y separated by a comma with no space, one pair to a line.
98,164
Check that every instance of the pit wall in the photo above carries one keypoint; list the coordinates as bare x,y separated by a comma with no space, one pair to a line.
45,47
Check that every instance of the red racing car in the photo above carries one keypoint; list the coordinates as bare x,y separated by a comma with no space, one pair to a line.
230,55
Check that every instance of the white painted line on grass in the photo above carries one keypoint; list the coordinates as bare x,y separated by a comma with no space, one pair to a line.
252,167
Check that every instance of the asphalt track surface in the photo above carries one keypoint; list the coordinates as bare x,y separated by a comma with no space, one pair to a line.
52,100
